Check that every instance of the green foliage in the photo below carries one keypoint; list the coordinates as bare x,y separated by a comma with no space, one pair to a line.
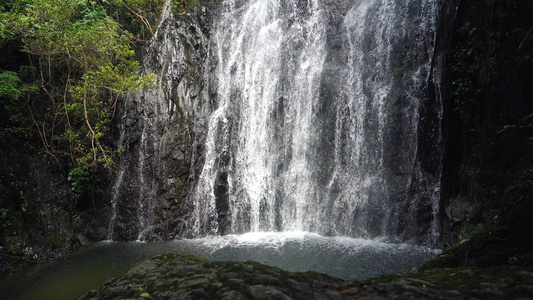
96,93
463,235
526,123
81,56
194,258
181,7
9,82
465,91
12,90
3,216
55,241
397,71
136,16
81,180
473,67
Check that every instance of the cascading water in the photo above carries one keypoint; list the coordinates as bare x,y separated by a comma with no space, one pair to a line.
321,120
285,126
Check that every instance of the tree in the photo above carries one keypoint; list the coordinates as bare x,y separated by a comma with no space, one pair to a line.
83,66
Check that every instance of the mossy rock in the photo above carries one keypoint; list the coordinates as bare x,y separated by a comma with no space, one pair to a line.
489,247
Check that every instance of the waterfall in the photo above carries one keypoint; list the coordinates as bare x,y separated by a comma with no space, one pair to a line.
326,121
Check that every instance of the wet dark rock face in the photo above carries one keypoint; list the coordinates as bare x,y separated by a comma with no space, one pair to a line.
487,171
163,131
41,219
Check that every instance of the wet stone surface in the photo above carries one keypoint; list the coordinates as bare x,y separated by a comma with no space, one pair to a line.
173,276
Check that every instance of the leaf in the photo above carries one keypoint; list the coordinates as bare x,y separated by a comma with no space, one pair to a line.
145,295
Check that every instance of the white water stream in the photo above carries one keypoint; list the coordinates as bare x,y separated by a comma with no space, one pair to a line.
317,125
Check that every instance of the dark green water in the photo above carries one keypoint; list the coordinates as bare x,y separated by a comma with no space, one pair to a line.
89,268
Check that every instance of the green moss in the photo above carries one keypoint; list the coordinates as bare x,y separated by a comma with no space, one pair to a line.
167,257
468,281
314,276
489,246
14,244
55,242
15,260
194,258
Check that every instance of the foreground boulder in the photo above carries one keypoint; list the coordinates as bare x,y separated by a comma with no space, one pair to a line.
173,276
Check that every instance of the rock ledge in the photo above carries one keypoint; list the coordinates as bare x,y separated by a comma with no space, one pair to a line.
174,276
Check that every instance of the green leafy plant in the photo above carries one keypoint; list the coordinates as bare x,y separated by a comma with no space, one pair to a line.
181,7
12,99
3,213
9,85
525,123
464,88
473,66
3,216
463,236
85,65
397,71
136,16
81,180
